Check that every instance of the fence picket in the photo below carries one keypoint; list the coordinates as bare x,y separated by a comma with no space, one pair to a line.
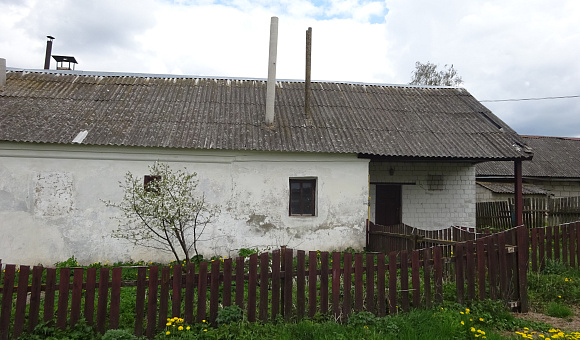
301,284
470,270
252,287
323,282
404,281
115,297
393,282
152,301
370,284
346,285
190,285
240,280
102,300
164,297
140,300
176,292
572,241
427,276
21,292
312,259
381,297
481,256
90,287
201,292
358,282
459,275
214,291
77,296
6,311
336,284
263,307
35,296
63,293
415,279
227,288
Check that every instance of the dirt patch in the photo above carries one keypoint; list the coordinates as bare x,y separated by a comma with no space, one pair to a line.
570,324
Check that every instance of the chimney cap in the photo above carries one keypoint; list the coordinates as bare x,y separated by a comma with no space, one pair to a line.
50,37
65,59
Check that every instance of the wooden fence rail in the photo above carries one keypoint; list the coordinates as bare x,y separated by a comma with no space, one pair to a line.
291,284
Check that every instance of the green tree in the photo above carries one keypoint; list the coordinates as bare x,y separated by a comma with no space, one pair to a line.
164,212
427,74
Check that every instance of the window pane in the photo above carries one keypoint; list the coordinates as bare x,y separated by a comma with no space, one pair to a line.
302,196
307,203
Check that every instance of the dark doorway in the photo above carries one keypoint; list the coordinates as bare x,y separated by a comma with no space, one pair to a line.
388,204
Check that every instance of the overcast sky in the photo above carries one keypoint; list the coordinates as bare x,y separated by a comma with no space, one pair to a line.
503,49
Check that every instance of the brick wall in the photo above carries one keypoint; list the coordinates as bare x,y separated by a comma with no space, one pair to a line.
434,195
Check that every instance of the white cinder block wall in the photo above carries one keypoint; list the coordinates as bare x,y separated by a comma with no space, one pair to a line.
434,195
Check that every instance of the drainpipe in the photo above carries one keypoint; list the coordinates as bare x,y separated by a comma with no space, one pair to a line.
2,72
48,52
271,86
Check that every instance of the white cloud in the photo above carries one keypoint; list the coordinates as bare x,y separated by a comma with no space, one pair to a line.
501,49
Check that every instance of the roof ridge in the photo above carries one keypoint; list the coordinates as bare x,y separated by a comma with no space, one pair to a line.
182,76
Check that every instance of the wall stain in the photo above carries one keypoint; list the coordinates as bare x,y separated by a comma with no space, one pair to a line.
259,222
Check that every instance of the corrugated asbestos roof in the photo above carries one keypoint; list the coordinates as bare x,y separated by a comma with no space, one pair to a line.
554,157
508,188
204,113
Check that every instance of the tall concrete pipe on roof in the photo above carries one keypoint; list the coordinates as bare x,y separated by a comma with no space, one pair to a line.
271,86
2,72
48,52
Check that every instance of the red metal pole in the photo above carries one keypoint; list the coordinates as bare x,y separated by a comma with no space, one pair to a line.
519,198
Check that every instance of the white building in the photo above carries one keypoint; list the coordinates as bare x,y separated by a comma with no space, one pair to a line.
389,153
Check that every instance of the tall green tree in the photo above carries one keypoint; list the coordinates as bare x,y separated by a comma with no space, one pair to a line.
427,74
164,212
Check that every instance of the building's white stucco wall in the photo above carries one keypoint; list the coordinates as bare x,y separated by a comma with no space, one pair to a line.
426,204
51,208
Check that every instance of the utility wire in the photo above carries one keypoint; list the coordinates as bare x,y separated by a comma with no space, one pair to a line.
522,99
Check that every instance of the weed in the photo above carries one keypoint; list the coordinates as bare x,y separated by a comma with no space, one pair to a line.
229,315
558,310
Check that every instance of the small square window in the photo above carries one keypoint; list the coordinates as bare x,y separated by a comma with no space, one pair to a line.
302,197
149,183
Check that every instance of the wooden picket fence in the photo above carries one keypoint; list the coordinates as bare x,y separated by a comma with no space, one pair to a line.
538,212
381,238
287,283
556,243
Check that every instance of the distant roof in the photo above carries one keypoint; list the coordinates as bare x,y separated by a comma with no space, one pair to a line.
508,188
221,113
554,157
64,59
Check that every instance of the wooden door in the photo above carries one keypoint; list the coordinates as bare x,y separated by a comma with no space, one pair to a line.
388,204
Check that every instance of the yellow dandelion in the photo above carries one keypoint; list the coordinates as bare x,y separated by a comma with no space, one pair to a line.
180,328
205,330
188,328
167,333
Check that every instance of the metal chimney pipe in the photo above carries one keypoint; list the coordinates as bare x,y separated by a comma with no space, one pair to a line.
271,86
48,52
307,87
2,72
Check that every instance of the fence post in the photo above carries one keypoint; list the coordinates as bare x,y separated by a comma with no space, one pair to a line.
523,258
